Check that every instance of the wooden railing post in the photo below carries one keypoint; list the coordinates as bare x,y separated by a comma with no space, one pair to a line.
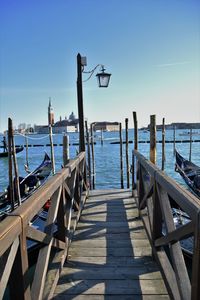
19,281
61,217
157,214
77,196
141,190
196,262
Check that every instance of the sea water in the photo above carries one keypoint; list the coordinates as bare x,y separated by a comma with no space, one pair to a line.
107,156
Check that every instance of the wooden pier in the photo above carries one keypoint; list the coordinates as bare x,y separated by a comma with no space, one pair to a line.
110,256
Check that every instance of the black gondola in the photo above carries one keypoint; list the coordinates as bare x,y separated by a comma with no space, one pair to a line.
190,173
28,185
181,218
17,149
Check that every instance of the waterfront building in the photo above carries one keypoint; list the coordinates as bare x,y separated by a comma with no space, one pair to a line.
21,127
62,126
106,126
66,125
41,129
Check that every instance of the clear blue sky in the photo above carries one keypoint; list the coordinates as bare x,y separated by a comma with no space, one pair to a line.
151,47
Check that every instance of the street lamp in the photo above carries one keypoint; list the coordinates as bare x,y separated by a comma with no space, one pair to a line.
103,78
103,81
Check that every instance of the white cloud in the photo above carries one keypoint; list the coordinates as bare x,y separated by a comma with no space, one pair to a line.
174,64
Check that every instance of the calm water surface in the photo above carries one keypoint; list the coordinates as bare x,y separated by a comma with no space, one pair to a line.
107,162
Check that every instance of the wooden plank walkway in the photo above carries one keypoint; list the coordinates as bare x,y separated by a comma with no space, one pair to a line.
110,256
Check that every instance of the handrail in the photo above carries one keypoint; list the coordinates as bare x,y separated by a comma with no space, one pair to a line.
67,193
156,194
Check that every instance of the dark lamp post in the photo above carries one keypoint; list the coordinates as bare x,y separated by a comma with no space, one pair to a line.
103,78
103,81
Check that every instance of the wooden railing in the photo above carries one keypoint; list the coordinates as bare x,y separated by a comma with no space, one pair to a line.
67,192
156,194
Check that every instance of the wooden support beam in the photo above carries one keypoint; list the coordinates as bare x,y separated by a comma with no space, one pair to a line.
19,280
44,254
178,234
135,130
93,157
16,179
52,149
178,262
41,237
153,139
196,262
174,138
148,194
10,165
163,144
65,149
88,153
190,154
121,156
127,156
8,267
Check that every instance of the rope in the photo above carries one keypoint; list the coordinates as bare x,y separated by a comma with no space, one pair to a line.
31,138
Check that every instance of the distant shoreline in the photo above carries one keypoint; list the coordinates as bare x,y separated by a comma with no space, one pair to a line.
181,125
176,126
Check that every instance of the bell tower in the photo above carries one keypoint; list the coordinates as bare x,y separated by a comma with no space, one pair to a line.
50,114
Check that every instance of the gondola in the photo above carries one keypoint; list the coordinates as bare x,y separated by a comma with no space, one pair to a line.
180,218
189,172
17,149
191,175
28,185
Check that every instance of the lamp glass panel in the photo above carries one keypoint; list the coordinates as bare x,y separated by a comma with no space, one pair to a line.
103,80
